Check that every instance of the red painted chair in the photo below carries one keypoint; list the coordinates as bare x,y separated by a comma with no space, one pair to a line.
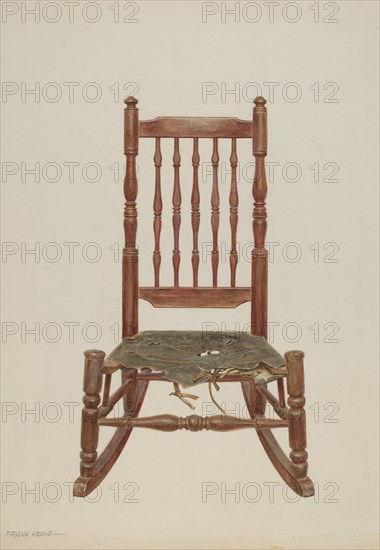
188,358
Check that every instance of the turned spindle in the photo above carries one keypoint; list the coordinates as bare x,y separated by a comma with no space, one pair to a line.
130,251
296,414
157,208
259,253
215,213
92,385
195,213
234,203
176,219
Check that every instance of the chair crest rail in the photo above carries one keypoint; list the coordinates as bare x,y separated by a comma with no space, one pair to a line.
196,127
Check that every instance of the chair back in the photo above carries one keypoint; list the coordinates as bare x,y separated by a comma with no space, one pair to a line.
213,296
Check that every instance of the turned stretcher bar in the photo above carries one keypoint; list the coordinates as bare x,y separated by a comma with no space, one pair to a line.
193,423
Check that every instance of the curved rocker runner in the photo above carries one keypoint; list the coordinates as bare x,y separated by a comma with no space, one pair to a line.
189,358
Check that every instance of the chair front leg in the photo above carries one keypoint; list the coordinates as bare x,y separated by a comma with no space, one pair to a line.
296,414
92,385
93,469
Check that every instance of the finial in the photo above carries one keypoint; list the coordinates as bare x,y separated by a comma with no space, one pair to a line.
259,100
131,102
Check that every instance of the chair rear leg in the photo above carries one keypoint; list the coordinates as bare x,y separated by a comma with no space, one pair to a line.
255,402
129,399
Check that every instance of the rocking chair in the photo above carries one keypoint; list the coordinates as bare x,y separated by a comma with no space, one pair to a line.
188,358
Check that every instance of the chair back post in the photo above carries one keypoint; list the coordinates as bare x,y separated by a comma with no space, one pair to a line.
259,280
130,251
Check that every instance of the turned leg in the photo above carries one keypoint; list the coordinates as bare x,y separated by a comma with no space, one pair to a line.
281,392
129,399
92,385
292,471
255,402
97,471
296,415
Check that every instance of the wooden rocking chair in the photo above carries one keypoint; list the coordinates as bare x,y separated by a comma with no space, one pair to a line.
187,358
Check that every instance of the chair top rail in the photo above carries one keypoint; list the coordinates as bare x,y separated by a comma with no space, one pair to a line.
192,127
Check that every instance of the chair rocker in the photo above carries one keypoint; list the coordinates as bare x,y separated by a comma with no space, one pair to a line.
188,358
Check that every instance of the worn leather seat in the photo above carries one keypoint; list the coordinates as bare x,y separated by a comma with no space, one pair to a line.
192,357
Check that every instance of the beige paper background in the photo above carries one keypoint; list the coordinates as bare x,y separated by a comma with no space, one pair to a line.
168,54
